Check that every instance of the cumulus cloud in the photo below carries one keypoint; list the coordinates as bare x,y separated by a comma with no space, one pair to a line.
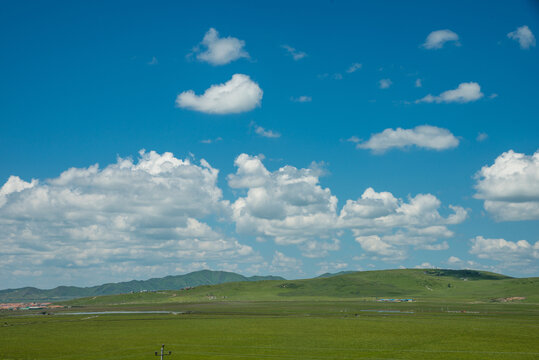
219,50
239,94
387,225
385,83
296,54
284,264
464,93
125,218
524,36
509,254
438,38
374,244
425,136
510,186
291,207
287,205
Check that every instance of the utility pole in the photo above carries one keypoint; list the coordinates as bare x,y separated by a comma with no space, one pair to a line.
163,352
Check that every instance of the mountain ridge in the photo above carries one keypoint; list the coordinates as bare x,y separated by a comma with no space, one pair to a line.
170,282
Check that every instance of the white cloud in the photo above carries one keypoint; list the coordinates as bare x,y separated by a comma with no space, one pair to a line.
296,55
95,221
291,207
239,94
354,67
510,186
302,98
287,205
524,36
481,137
326,267
285,264
385,83
153,61
418,83
387,225
374,244
438,38
509,254
425,136
465,92
454,260
211,141
219,51
265,133
425,265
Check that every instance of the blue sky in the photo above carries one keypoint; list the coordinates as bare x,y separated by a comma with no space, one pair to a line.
291,138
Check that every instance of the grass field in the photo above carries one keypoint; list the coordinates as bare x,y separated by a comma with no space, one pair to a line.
454,315
281,330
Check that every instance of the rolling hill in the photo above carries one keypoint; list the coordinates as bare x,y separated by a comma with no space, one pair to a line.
429,285
197,278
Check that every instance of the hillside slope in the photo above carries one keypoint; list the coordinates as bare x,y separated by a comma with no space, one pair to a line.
454,285
197,278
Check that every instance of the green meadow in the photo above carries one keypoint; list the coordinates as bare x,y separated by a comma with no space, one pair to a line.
326,318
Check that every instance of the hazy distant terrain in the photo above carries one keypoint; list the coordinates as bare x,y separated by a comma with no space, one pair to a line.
203,277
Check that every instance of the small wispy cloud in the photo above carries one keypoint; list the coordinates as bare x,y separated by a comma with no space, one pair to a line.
296,54
418,83
302,99
481,136
354,67
153,61
211,141
259,130
385,83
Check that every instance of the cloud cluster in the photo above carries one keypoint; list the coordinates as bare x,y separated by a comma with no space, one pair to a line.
219,51
438,38
524,36
289,206
465,92
385,225
239,94
425,136
127,217
510,186
508,254
160,214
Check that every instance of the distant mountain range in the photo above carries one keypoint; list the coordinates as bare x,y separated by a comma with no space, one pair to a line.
203,277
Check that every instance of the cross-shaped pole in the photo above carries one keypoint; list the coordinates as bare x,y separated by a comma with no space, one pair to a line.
163,352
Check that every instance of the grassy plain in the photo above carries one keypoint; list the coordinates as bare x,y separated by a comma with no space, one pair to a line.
454,316
281,330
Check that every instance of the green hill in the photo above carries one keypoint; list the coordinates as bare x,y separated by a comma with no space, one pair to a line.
423,285
197,278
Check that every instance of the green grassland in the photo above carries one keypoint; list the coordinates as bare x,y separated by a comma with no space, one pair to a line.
324,318
424,285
